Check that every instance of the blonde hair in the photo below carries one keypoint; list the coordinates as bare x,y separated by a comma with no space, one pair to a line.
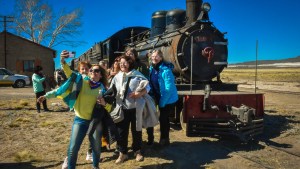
159,52
83,63
102,62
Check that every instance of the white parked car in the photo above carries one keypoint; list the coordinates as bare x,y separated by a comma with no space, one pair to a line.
9,78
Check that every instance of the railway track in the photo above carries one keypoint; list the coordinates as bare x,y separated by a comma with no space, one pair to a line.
230,150
280,149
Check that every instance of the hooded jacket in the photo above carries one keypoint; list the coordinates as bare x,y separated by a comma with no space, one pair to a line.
166,82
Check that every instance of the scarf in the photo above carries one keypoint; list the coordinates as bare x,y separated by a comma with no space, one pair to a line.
94,84
156,66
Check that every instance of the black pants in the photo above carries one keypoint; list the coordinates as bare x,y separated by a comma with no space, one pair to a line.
150,133
164,120
38,106
102,122
123,129
97,117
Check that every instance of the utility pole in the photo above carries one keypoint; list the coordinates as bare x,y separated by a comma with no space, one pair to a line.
10,19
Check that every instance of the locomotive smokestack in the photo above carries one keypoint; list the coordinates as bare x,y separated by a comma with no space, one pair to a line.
192,10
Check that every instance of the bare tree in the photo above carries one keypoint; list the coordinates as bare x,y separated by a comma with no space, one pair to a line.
35,20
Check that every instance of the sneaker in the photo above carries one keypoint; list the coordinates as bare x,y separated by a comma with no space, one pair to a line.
122,157
95,167
89,157
46,110
65,164
138,156
38,111
116,152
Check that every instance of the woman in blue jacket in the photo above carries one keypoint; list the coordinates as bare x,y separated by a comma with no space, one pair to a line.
162,82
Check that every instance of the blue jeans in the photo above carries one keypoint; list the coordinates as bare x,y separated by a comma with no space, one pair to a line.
79,129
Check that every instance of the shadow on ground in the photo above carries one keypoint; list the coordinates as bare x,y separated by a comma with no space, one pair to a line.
198,154
193,154
275,125
29,165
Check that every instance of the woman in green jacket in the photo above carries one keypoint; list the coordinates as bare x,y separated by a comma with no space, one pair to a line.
39,85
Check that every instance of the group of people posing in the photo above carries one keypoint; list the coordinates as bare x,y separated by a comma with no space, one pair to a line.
93,92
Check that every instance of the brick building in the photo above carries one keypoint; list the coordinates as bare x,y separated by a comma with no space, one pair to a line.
22,55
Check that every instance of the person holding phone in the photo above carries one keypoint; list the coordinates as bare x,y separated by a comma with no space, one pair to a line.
82,98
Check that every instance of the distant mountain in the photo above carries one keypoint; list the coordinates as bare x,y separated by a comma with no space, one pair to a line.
290,62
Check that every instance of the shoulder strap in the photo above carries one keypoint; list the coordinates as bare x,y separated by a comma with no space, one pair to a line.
126,88
140,76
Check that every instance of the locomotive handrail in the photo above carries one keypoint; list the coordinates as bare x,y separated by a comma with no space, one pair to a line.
137,35
191,75
162,35
166,43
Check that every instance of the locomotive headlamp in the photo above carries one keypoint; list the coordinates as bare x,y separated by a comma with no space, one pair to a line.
206,7
203,16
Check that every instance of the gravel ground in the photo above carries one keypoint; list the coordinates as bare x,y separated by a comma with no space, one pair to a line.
31,140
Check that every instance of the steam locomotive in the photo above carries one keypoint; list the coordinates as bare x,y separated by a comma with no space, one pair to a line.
199,53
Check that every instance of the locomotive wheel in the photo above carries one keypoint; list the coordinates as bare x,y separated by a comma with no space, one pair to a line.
183,124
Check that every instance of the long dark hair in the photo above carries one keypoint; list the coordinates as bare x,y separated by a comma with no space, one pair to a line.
103,79
37,69
129,60
132,50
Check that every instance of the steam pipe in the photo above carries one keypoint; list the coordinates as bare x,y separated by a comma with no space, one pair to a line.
193,8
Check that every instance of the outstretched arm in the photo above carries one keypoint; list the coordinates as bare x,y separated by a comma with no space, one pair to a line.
66,68
48,95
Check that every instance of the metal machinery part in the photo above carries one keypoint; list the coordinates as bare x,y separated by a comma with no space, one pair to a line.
243,113
243,121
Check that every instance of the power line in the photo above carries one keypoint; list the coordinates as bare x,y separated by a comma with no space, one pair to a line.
5,20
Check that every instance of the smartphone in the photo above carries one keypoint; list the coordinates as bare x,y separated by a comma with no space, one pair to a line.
71,54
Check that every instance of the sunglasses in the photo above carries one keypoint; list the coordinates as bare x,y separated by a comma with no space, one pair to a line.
123,63
95,70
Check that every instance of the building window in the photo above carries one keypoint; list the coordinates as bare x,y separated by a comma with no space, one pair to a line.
28,66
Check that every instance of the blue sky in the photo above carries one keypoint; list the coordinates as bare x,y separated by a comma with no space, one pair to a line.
275,24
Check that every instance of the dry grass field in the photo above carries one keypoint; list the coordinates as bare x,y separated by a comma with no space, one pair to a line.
31,140
263,74
282,79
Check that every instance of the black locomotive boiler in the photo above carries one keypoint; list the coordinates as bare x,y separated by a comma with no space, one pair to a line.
189,40
199,53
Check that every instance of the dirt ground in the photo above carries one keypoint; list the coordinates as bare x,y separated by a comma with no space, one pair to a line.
31,140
